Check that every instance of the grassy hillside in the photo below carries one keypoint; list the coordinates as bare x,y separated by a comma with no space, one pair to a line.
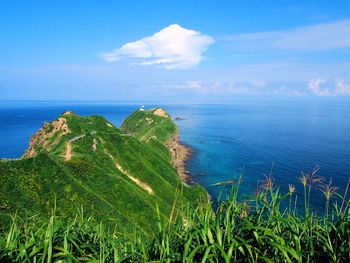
79,161
255,229
150,124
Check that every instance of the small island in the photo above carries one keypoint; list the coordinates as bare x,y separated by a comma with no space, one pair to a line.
178,118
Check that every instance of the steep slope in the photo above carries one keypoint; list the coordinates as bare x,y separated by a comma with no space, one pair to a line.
86,161
156,127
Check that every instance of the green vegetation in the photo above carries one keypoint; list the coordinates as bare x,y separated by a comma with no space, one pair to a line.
87,161
254,230
144,125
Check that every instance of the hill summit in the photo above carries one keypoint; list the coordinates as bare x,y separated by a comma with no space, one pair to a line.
119,175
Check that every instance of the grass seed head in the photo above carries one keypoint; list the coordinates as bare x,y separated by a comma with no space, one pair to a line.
311,178
328,190
267,183
291,188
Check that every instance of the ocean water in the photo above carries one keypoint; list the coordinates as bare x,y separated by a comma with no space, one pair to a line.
247,137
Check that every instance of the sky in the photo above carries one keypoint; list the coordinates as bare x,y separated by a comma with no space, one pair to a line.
179,51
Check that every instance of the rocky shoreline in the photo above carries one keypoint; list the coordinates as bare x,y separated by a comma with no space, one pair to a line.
180,155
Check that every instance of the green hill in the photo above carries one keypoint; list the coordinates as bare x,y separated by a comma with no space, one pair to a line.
119,175
154,123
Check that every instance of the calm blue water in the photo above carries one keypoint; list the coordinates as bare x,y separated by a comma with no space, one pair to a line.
249,136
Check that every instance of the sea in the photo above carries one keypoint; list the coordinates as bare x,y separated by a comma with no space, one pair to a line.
249,138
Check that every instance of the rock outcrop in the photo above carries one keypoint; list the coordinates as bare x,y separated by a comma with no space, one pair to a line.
180,154
44,138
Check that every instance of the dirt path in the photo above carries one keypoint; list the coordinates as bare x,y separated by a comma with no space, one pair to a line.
141,184
68,154
94,145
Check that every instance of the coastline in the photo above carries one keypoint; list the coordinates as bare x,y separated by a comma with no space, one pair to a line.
180,154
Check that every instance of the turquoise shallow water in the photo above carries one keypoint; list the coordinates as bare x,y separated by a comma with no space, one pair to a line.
245,137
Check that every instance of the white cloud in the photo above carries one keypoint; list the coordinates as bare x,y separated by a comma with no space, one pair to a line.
320,87
342,87
325,36
220,87
315,87
288,91
173,47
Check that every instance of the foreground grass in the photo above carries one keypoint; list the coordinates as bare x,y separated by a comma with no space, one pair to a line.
254,230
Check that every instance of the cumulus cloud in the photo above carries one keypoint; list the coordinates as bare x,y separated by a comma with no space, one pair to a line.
173,47
325,36
321,87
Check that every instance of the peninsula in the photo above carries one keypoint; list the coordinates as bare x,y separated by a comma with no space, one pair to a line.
118,175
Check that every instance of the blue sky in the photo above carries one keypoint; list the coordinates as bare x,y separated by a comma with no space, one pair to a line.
173,50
